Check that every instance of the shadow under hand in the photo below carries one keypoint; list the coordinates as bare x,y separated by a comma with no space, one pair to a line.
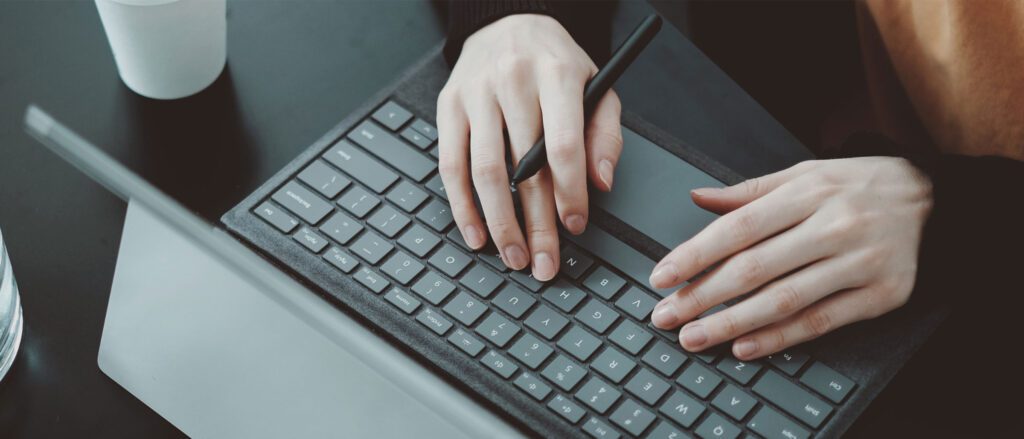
195,149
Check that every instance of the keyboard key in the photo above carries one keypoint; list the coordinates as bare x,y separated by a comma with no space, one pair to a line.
613,364
276,217
465,308
598,395
597,316
533,386
636,303
424,128
310,240
597,429
772,425
392,115
490,256
564,373
341,227
789,362
546,321
699,380
466,342
682,409
739,370
632,417
564,295
449,260
318,175
604,283
436,215
664,358
531,351
435,152
792,399
418,240
497,329
647,386
630,336
371,247
716,427
514,301
481,280
360,166
302,202
499,364
566,409
433,288
734,402
436,186
370,279
340,259
402,267
358,201
404,301
579,343
615,253
392,151
574,262
415,138
664,430
455,236
388,220
827,382
434,321
526,279
406,196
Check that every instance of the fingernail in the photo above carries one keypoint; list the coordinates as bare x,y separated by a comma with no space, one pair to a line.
704,191
575,223
665,315
543,266
745,348
473,237
516,257
663,276
606,172
693,336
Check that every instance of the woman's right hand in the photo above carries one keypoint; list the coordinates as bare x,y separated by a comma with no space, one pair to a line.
526,74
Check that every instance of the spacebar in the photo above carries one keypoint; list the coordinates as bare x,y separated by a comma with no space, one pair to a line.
617,254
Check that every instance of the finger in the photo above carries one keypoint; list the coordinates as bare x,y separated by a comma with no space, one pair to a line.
745,272
453,165
780,209
772,304
561,102
521,109
490,178
727,199
603,137
833,312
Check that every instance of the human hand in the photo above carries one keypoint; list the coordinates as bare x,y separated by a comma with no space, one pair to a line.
516,73
821,245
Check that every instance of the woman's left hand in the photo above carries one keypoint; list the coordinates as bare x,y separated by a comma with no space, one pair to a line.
821,245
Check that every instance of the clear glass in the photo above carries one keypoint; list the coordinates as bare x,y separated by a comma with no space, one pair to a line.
10,312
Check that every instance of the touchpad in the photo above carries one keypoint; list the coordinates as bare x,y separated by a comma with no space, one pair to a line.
651,192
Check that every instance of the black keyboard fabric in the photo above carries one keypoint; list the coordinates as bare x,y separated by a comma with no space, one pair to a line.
372,206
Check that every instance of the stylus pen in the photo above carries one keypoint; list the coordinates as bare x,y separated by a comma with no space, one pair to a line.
536,157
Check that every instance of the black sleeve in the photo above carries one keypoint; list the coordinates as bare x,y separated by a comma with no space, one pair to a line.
589,22
973,241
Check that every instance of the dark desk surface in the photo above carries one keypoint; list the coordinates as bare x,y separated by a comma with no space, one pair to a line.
295,68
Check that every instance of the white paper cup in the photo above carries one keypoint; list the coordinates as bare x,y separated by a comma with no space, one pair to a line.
10,313
166,49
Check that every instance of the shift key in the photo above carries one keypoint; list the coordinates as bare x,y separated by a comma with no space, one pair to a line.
302,202
392,150
361,166
794,400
